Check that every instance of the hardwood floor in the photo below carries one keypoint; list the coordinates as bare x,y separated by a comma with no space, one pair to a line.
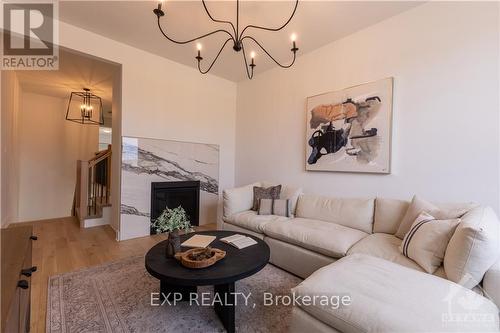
63,247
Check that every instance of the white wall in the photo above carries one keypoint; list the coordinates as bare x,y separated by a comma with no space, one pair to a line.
444,60
165,100
49,147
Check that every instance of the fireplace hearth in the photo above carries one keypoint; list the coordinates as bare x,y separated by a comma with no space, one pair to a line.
174,194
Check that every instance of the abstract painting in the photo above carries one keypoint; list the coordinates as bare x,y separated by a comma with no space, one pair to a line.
350,130
152,160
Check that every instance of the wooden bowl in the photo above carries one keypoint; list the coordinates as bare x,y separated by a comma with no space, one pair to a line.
200,257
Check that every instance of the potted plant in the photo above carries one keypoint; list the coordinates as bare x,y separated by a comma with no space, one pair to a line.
171,221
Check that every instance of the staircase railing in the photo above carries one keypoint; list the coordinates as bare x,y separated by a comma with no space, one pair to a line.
93,185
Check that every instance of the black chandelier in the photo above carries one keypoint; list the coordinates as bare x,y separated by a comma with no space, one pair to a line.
235,36
85,108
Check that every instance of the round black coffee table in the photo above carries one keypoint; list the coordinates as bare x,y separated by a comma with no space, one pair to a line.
176,279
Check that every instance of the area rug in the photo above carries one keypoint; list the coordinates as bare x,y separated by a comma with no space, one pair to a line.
116,297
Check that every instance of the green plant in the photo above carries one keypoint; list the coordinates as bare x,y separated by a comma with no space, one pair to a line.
171,220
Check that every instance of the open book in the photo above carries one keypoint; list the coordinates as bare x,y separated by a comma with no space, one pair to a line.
238,241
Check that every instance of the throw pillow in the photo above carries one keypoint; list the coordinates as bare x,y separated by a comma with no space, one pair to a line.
265,207
418,206
280,207
287,192
272,192
473,248
426,241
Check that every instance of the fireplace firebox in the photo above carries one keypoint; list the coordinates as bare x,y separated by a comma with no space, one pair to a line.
175,194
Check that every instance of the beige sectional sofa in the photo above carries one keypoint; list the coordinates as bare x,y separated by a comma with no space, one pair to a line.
360,235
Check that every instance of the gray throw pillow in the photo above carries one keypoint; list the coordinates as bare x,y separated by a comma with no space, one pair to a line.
280,207
272,192
266,207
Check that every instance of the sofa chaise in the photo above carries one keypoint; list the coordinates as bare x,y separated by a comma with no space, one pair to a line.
351,246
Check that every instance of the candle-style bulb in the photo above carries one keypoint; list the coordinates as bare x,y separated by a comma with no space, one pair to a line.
252,64
293,37
198,47
158,11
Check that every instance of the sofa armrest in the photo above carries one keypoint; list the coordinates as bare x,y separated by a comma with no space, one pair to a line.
491,283
238,199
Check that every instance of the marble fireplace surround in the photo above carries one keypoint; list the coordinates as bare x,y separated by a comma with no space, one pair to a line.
146,160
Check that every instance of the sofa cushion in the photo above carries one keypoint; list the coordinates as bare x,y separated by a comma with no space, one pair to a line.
441,212
383,246
323,237
388,215
251,220
491,283
426,241
353,213
386,297
386,247
238,199
440,273
473,248
295,259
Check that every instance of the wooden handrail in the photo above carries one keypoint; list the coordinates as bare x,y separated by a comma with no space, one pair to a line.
101,154
102,157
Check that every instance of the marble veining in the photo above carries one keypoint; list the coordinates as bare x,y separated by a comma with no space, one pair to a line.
151,160
149,163
129,210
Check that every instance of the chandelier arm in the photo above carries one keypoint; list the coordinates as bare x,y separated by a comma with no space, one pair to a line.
215,59
270,56
246,63
271,29
219,21
192,40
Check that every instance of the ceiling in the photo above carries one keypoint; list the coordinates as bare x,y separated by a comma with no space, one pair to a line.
316,23
76,71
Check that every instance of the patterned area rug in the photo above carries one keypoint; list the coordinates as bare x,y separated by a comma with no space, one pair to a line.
116,297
